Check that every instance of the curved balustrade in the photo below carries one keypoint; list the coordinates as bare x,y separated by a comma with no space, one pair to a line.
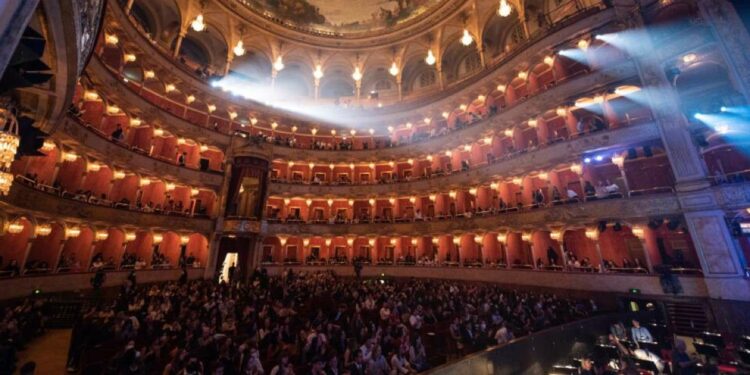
101,146
516,164
22,287
132,102
570,214
598,282
26,197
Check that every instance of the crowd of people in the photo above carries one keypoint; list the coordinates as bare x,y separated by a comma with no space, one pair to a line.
315,323
19,324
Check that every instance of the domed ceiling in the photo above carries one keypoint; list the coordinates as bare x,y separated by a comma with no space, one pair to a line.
344,16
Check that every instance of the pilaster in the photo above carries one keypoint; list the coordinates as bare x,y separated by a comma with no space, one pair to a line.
732,38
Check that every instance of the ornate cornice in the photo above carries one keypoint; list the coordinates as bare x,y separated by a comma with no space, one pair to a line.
520,165
24,199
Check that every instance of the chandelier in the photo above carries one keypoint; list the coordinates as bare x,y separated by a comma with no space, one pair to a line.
9,141
394,69
198,24
430,59
504,9
239,49
466,39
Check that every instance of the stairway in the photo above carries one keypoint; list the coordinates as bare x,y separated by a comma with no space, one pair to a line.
687,318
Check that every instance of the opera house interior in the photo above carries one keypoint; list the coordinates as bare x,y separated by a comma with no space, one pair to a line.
374,187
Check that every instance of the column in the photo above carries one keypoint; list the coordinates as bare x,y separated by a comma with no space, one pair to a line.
593,235
178,44
686,163
213,253
720,262
639,232
731,37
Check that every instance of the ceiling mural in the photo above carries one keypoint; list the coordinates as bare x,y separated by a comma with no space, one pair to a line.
344,15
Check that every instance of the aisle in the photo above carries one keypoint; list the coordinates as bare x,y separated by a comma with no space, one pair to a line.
50,352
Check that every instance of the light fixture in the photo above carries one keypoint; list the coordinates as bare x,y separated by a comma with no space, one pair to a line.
592,234
318,72
533,123
232,115
517,180
190,99
129,57
576,168
255,121
555,235
466,39
394,70
689,58
390,129
278,65
430,59
69,156
15,227
549,60
463,107
170,186
239,49
308,202
198,24
149,74
501,88
294,129
157,238
169,87
145,181
330,202
526,236
118,175
473,191
627,89
111,39
43,230
583,44
211,108
357,75
328,242
618,160
456,240
371,131
638,231
523,75
90,95
449,153
508,132
543,175
446,115
479,238
502,237
409,125
194,192
9,141
72,232
504,9
494,186
101,235
371,201
93,167
113,109
562,111
427,120
135,122
184,239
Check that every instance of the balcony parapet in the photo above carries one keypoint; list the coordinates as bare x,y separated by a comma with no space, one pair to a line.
518,165
592,282
113,87
568,215
23,199
104,149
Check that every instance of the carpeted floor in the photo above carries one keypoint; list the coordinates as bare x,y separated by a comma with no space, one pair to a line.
50,352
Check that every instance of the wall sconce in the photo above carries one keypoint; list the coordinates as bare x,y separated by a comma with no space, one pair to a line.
101,235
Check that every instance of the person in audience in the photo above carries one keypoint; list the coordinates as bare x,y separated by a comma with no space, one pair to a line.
118,134
682,364
640,334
